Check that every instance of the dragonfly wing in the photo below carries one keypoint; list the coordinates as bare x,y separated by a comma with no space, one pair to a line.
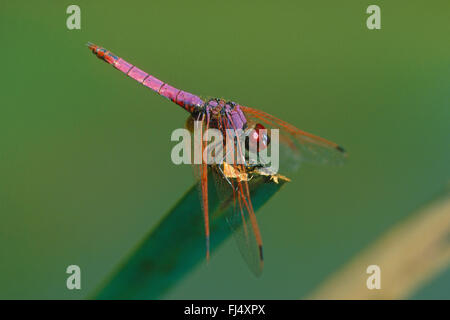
231,185
231,180
302,146
201,174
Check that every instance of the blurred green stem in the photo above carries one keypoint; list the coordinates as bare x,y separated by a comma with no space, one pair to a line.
408,255
177,244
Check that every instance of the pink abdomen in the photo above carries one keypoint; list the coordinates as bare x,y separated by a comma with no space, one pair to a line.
186,100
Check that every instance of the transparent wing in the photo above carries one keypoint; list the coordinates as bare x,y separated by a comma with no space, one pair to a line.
201,175
240,214
298,145
232,183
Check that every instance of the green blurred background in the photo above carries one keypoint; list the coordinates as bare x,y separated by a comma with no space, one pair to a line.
85,166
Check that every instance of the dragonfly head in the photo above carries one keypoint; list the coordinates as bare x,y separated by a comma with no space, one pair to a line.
257,136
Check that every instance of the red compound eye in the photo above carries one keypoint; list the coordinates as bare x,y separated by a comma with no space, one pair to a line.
258,137
259,126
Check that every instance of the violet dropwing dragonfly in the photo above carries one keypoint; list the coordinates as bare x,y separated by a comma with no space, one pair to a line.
233,179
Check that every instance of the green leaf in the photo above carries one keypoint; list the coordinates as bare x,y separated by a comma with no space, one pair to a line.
177,244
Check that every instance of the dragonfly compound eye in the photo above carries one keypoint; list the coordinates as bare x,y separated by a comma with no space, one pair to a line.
258,136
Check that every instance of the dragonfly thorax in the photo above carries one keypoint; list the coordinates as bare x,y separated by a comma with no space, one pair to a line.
221,114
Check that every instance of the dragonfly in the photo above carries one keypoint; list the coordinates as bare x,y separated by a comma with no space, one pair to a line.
232,178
